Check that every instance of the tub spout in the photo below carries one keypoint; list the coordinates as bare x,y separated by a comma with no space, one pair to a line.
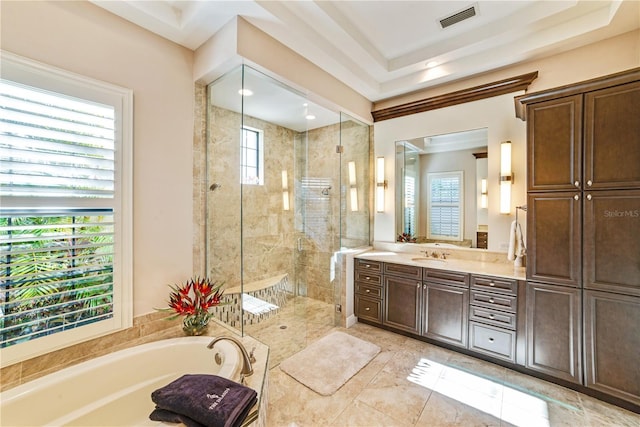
247,369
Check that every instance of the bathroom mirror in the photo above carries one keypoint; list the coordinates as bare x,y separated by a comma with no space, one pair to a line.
441,195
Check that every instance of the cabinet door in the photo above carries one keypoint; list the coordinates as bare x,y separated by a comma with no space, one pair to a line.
612,137
554,144
612,241
612,344
553,331
402,304
554,238
445,313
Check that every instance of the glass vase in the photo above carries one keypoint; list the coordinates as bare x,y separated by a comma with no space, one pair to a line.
196,324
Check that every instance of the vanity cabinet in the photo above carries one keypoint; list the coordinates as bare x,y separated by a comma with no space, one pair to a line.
554,331
583,249
612,344
368,290
445,306
402,290
584,137
493,317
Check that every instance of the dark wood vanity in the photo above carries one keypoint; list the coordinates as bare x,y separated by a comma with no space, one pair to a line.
575,320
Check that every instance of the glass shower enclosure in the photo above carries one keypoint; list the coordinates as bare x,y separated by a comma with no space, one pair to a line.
287,189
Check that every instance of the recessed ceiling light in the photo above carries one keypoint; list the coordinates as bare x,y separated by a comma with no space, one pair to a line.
245,92
310,117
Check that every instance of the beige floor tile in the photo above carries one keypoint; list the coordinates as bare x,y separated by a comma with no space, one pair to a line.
443,411
360,415
393,394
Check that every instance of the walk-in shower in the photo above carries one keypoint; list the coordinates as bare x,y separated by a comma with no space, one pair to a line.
288,187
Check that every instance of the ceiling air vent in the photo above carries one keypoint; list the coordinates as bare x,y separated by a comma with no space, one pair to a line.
467,13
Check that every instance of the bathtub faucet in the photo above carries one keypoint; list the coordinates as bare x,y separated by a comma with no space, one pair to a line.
247,369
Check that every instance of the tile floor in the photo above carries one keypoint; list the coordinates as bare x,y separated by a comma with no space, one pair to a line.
412,383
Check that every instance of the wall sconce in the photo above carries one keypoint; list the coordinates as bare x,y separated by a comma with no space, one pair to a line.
506,177
484,200
285,191
352,186
381,184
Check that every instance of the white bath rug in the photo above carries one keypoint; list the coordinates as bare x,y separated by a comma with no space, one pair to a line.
325,365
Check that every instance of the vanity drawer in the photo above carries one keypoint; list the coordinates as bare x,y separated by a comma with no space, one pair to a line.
496,342
446,277
494,301
368,309
494,284
366,265
493,317
402,270
367,277
366,289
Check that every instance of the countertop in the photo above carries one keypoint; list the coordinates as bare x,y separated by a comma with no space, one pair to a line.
498,269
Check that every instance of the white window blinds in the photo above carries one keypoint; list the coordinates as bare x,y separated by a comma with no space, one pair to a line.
52,145
65,212
445,199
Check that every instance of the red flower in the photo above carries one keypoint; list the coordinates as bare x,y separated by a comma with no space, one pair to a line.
195,297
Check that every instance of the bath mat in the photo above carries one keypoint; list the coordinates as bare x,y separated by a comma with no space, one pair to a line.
325,365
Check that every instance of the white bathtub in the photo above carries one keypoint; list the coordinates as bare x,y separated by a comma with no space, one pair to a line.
114,390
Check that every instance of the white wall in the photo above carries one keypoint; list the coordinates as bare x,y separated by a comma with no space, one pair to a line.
85,39
497,114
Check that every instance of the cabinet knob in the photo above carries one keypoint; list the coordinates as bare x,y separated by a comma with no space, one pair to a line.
418,284
367,309
367,266
368,290
424,286
589,197
492,284
576,197
589,183
491,300
577,184
490,339
491,316
368,278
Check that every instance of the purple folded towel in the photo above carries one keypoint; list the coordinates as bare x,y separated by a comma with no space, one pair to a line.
210,400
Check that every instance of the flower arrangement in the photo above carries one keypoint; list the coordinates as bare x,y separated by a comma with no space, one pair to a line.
406,238
193,300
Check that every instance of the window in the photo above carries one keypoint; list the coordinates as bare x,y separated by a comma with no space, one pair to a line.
65,215
252,157
445,205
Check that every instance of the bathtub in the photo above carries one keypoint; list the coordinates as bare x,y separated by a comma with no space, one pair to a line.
115,389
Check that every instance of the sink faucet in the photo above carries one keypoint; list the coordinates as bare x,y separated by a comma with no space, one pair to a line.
247,369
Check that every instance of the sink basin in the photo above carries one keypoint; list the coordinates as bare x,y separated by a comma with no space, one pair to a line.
422,258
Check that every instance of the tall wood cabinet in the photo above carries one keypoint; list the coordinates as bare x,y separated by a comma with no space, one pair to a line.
583,239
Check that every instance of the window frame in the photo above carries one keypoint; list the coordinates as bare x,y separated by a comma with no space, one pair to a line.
259,156
460,205
32,73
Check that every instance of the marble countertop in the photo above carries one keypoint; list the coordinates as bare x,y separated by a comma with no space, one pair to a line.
498,269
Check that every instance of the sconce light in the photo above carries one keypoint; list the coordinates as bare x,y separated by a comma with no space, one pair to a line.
506,177
484,200
285,191
381,184
352,186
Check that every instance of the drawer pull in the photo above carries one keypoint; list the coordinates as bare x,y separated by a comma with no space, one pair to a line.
492,284
367,266
368,290
491,300
368,277
490,339
491,316
367,309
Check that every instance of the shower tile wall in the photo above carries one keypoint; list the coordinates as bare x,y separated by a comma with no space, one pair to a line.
268,232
